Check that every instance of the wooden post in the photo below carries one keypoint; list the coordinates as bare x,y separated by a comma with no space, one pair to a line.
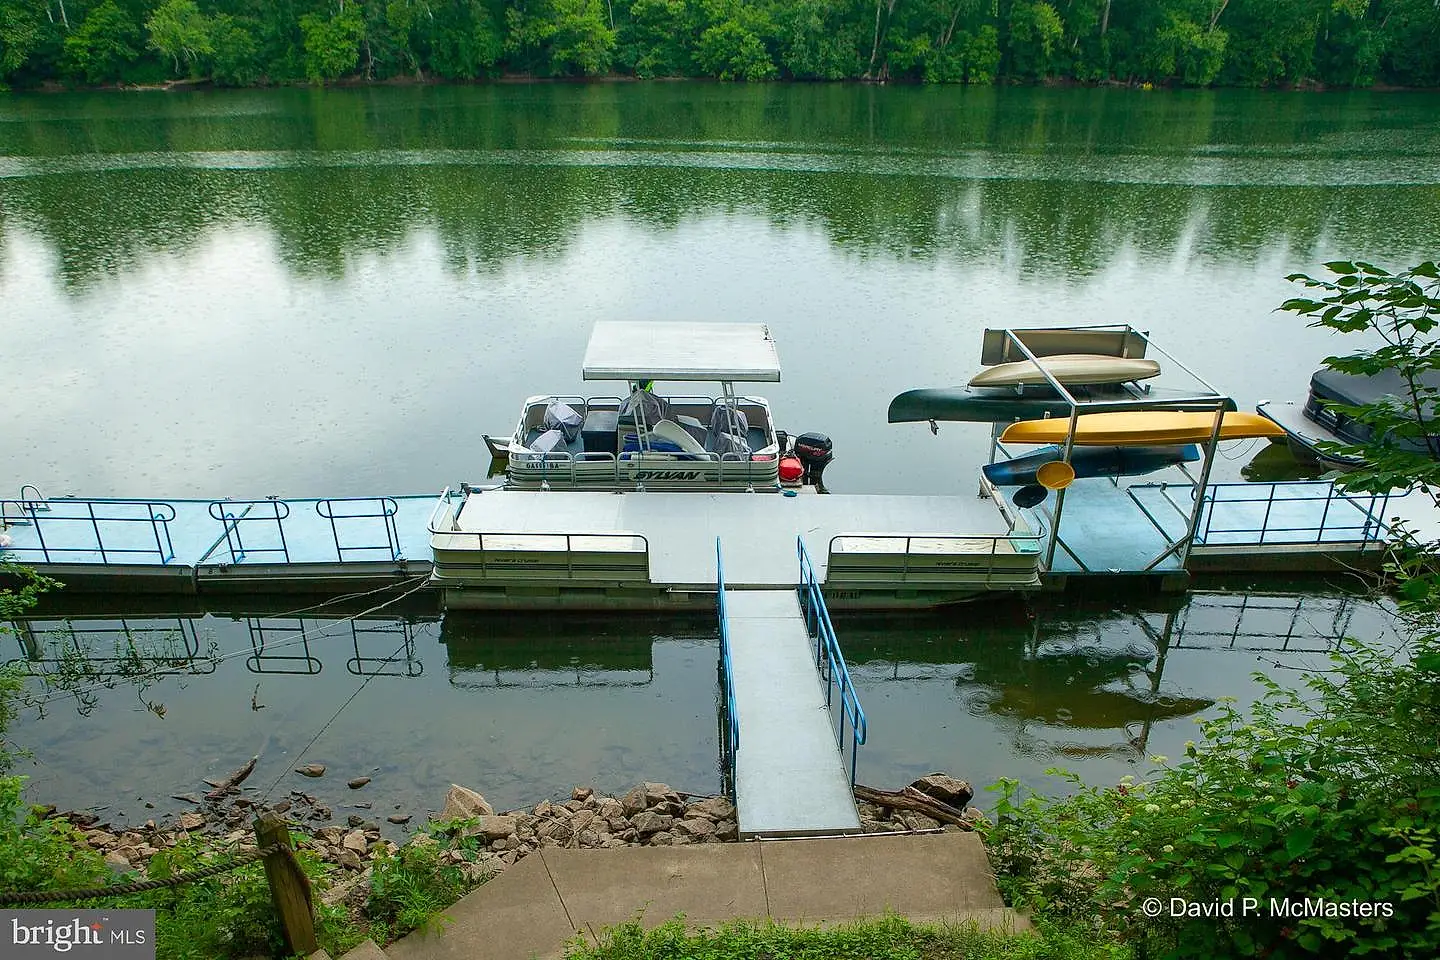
289,887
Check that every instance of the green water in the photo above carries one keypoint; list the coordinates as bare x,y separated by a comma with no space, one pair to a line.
335,292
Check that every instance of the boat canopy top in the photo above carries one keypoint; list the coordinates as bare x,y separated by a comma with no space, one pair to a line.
1357,390
643,350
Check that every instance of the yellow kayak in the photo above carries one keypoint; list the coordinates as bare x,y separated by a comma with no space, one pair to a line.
1138,428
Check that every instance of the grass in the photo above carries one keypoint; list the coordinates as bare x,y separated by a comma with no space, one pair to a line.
888,938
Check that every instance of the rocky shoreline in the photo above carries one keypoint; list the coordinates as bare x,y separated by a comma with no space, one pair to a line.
473,835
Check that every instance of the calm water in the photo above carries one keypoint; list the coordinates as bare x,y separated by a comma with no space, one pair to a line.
328,293
525,707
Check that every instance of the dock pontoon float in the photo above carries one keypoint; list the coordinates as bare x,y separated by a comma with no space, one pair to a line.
646,441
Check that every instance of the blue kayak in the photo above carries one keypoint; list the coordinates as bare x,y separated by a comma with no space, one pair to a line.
1091,462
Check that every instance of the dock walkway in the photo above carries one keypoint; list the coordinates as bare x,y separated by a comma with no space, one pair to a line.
790,776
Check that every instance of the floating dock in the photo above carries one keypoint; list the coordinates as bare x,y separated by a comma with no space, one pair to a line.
558,550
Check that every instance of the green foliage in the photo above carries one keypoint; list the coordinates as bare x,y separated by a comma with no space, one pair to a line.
1333,797
732,47
332,44
1193,42
181,32
560,38
1035,31
105,44
1401,311
890,938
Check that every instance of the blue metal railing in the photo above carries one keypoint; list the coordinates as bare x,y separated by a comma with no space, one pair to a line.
41,515
829,661
232,513
362,508
731,730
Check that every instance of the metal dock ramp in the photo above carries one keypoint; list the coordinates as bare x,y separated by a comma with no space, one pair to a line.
789,772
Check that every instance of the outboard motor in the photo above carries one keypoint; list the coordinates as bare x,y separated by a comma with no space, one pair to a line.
815,451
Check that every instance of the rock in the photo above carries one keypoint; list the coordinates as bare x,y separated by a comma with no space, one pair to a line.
975,817
399,818
355,840
658,793
44,811
582,820
545,809
727,830
115,860
694,827
311,770
362,805
349,859
647,823
496,828
99,838
462,802
617,824
321,812
331,835
355,820
661,839
582,793
500,844
191,821
574,806
712,808
610,808
128,854
557,830
587,838
281,807
612,843
946,789
357,783
477,872
343,891
634,802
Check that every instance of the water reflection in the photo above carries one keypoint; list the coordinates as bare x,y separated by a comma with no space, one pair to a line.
530,704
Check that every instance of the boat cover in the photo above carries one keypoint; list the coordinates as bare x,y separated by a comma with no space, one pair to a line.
563,417
631,350
1357,390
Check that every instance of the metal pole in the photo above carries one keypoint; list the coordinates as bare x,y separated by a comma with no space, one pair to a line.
1199,507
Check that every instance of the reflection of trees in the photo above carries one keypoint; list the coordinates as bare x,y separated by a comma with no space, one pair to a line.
540,650
1061,179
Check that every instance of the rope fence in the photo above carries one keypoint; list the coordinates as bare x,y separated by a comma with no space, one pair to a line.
289,887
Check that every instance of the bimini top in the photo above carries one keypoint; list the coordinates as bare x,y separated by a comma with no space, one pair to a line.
641,350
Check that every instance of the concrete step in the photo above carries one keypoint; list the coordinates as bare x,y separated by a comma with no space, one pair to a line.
367,950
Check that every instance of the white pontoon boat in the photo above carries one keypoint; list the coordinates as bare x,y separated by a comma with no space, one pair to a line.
648,441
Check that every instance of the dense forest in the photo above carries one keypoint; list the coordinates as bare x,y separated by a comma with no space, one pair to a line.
1190,42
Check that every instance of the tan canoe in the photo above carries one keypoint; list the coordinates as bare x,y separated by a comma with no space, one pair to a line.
1138,428
1068,368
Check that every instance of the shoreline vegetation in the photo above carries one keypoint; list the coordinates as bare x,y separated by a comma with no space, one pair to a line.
1307,44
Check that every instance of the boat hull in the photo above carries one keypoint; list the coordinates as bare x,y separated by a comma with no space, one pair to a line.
1079,368
1005,405
1090,462
1142,429
1302,435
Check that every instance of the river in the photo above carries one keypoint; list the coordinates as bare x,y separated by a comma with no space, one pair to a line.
335,292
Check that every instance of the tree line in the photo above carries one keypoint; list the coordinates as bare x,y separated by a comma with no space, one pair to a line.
1180,42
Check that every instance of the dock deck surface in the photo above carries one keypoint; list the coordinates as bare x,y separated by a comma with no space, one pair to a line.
790,777
759,529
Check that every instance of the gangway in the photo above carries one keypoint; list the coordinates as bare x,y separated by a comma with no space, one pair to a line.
789,772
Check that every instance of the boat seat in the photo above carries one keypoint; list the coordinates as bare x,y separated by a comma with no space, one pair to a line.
678,435
573,447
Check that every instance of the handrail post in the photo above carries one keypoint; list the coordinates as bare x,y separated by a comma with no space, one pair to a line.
95,523
289,887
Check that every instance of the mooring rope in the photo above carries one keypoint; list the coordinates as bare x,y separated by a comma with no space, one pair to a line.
139,886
